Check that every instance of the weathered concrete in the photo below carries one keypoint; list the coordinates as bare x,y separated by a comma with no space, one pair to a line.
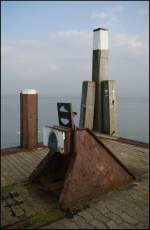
87,105
99,74
109,107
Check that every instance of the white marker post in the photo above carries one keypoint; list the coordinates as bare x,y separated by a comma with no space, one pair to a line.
99,71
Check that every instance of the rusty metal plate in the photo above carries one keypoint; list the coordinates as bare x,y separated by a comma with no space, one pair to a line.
93,170
90,169
51,159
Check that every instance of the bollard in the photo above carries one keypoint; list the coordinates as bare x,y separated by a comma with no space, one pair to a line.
109,107
87,105
28,118
99,71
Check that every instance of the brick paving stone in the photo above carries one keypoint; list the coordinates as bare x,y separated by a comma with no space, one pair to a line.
141,205
130,205
25,195
98,215
115,210
4,196
57,225
70,225
29,158
130,208
127,226
102,207
2,178
28,209
13,194
17,211
87,215
114,217
19,164
14,165
18,199
7,218
3,204
14,168
142,226
10,202
140,214
54,226
144,218
98,225
112,225
131,212
129,219
80,222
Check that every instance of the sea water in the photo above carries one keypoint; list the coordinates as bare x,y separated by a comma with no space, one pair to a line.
133,117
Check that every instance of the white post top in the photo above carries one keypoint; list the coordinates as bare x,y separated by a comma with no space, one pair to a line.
100,39
29,91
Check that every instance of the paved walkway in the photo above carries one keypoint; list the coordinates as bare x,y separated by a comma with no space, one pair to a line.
136,159
17,167
120,209
127,209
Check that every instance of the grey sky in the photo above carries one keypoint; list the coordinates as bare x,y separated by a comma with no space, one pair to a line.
48,46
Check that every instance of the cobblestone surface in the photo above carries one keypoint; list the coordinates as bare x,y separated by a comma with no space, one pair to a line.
7,218
121,212
17,211
121,209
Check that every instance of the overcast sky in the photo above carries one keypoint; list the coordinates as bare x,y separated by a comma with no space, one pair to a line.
48,45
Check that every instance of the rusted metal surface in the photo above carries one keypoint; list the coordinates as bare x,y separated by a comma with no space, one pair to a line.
51,169
93,170
56,162
88,170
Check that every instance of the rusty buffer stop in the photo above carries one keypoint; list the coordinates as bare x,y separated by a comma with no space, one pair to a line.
78,166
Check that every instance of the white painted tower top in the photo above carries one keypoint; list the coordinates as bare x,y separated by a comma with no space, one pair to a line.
100,39
29,91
